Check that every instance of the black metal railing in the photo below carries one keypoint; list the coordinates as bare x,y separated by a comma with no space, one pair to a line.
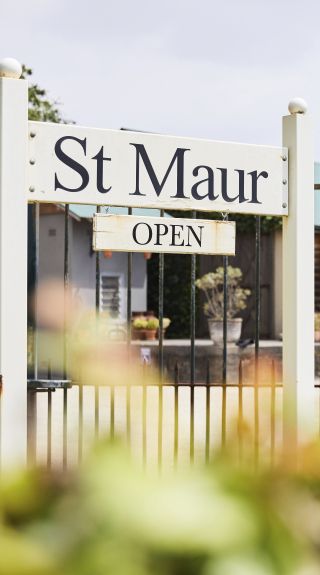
184,407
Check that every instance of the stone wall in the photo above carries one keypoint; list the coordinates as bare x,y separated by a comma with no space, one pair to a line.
208,361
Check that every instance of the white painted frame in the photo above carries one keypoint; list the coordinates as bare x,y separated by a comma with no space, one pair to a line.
13,269
298,272
298,282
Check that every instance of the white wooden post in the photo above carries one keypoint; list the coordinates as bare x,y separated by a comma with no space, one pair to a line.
298,281
13,263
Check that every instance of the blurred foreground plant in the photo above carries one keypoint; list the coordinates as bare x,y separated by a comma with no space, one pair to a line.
110,517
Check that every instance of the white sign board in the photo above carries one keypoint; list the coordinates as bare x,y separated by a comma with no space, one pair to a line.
71,164
164,235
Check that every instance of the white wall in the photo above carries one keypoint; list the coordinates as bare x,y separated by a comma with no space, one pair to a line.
51,247
83,262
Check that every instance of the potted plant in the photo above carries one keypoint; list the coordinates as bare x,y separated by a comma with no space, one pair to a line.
317,326
212,286
152,325
146,327
165,324
139,324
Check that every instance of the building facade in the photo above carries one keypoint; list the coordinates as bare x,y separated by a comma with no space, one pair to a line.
82,263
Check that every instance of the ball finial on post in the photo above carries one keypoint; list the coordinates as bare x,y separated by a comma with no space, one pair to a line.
10,68
297,106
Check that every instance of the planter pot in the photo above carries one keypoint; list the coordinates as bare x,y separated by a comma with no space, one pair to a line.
138,334
317,336
233,330
150,334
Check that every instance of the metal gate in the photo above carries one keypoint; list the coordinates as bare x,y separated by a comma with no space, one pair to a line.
46,437
28,156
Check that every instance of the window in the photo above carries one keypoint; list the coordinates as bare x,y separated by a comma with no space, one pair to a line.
110,295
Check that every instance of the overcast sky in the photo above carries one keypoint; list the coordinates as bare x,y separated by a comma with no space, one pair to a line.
223,70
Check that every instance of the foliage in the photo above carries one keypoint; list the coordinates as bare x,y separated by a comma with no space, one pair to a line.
212,285
176,291
152,323
41,108
139,322
166,322
317,321
248,223
142,322
110,517
245,223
